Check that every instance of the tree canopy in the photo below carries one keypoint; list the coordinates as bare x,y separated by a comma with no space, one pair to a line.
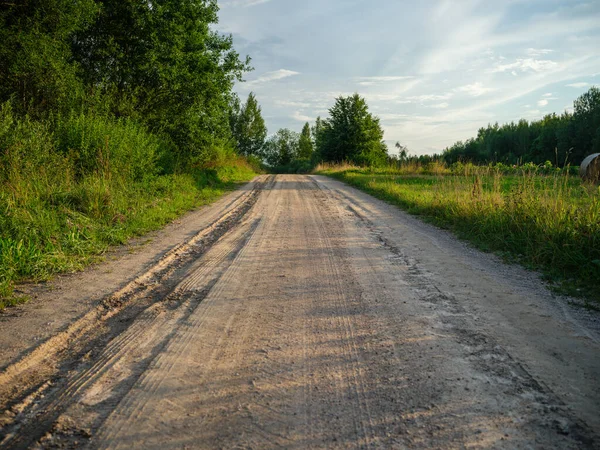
248,127
561,139
281,148
305,144
160,63
351,133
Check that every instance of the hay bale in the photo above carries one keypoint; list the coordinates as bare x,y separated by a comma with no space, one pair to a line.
590,168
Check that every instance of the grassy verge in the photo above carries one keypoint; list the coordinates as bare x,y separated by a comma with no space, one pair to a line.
72,187
546,222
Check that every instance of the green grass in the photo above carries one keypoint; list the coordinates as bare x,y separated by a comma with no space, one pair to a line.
545,222
71,188
64,230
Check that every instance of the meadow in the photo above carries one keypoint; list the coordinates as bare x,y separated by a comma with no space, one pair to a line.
541,217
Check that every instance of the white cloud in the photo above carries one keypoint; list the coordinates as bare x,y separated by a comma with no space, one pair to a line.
578,85
543,102
293,104
526,65
371,81
392,116
302,117
538,51
273,76
475,89
549,94
431,97
440,105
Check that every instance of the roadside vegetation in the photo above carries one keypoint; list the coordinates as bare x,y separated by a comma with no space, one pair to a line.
543,219
115,118
511,190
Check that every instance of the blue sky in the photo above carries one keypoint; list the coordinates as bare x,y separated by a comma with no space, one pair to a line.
433,71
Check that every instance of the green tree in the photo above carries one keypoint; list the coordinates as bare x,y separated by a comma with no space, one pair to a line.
586,119
162,63
281,148
352,133
305,144
402,152
36,65
249,128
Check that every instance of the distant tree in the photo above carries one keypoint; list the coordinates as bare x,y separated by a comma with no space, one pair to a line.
248,127
402,152
317,136
281,148
562,139
305,144
352,133
586,118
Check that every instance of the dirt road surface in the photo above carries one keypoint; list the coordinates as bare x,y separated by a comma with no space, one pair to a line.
298,312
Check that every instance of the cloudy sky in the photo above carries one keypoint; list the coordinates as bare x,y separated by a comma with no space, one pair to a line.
433,71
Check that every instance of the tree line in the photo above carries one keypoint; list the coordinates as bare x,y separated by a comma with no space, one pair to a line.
350,133
562,139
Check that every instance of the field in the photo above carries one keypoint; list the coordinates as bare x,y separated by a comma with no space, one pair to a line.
544,219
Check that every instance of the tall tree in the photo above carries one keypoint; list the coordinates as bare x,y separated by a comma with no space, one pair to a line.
305,144
36,64
586,117
352,133
249,128
162,62
402,152
281,148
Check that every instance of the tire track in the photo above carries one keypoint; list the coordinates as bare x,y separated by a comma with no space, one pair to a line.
153,322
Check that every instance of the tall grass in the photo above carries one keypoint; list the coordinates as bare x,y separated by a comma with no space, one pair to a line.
544,221
72,186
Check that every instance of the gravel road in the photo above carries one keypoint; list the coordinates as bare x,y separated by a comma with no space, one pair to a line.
298,312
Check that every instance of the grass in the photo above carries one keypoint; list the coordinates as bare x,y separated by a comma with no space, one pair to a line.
71,189
549,222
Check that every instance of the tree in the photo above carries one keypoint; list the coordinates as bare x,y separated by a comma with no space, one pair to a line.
162,63
353,134
36,62
586,118
249,128
305,144
402,152
281,148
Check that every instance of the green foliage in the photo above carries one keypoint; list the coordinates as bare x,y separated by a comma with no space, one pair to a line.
248,126
305,144
351,133
70,188
114,118
550,222
162,61
563,139
281,148
36,67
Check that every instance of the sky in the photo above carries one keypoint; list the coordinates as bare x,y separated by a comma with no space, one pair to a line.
433,71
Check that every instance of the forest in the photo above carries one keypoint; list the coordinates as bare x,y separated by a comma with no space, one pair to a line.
564,139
